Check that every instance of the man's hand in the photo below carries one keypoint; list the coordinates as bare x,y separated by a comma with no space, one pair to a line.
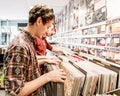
56,75
53,60
66,53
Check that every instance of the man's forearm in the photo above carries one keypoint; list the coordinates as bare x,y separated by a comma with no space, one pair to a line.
57,50
42,61
41,57
34,85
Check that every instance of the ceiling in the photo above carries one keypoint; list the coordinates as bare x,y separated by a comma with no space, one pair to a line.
18,9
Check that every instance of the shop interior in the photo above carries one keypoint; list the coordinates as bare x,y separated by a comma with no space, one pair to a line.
88,29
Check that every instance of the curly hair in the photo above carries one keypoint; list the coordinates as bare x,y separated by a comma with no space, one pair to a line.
42,11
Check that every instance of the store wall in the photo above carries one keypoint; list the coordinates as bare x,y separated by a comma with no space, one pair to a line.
8,30
97,33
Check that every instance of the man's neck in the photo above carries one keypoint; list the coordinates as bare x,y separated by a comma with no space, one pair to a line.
30,29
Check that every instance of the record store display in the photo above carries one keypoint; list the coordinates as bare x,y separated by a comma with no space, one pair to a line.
89,78
101,74
97,42
88,36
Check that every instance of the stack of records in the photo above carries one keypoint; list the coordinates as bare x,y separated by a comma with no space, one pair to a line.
73,85
111,67
91,80
98,79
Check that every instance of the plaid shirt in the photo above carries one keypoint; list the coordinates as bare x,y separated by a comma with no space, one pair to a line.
20,65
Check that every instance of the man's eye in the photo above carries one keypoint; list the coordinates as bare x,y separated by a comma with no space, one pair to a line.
52,33
48,27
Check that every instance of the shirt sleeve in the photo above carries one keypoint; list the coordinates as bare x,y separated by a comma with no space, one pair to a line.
15,70
48,46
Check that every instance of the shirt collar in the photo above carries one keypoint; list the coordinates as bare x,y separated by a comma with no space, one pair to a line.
30,37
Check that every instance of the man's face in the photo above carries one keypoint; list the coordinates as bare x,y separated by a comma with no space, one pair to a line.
44,28
51,31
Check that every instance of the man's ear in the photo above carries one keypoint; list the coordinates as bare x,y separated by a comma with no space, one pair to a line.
39,21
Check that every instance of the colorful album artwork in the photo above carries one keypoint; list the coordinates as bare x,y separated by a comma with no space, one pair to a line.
101,29
91,41
101,53
113,56
113,42
85,32
84,49
92,30
91,51
115,27
100,15
89,18
101,41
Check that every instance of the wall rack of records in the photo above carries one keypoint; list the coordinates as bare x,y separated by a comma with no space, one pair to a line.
98,46
99,43
96,41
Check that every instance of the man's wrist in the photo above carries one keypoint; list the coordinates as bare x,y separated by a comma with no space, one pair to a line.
47,77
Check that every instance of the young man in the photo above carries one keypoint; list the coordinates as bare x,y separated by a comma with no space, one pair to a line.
42,44
22,75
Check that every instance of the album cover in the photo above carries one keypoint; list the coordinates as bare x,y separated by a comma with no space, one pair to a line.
84,41
115,27
92,30
89,18
84,49
76,49
91,41
91,51
100,41
101,29
85,32
101,53
108,28
113,42
100,15
113,56
108,41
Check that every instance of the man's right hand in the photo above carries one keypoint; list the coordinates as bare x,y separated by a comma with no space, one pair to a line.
56,75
